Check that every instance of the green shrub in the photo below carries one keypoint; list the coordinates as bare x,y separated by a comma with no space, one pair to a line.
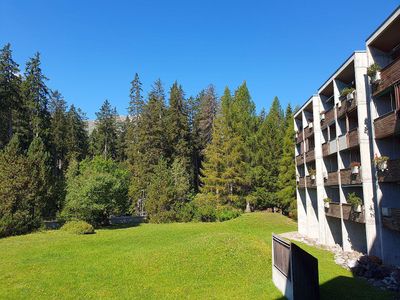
184,212
225,213
205,212
78,227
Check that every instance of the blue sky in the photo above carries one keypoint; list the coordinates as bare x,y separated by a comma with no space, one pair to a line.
91,49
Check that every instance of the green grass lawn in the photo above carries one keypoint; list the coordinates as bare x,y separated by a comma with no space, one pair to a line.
169,261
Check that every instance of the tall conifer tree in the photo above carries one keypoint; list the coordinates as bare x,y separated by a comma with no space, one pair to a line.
178,127
287,176
10,95
36,95
76,137
58,110
104,137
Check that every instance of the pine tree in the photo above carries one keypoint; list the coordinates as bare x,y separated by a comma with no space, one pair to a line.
287,177
135,111
17,205
10,95
58,110
104,137
41,184
136,102
36,96
178,127
267,155
76,135
204,112
122,141
160,194
243,123
152,141
224,170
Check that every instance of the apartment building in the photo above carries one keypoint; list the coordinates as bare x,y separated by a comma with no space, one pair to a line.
348,151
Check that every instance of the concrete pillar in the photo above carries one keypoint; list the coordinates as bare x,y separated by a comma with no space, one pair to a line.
366,152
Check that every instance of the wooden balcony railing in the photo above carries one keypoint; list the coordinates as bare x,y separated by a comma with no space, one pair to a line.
310,155
299,159
308,132
347,178
346,106
393,221
348,213
325,149
301,183
387,125
333,210
332,179
389,76
352,138
299,137
392,174
310,182
329,117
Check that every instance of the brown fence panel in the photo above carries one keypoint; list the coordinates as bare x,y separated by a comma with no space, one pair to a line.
282,256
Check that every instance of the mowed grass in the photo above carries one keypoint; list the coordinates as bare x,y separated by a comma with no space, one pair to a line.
230,260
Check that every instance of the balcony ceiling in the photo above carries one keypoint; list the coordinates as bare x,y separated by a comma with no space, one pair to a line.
389,38
347,75
328,90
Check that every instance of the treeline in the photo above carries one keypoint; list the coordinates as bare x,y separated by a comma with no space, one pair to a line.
199,157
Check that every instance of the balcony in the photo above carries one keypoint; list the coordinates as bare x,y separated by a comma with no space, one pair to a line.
346,107
392,174
301,183
308,132
310,182
299,159
299,137
347,178
325,149
389,76
310,155
387,125
392,221
333,210
348,213
352,138
329,148
332,179
329,117
348,140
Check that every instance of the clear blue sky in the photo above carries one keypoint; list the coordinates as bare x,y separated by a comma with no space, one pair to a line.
91,49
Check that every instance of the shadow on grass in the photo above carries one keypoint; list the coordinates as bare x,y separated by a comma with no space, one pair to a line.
343,287
121,226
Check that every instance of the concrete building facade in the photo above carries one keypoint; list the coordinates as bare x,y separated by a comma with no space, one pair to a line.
348,150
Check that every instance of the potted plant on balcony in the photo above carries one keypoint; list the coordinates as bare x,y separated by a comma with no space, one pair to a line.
312,173
327,200
355,167
355,202
381,162
348,93
374,73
